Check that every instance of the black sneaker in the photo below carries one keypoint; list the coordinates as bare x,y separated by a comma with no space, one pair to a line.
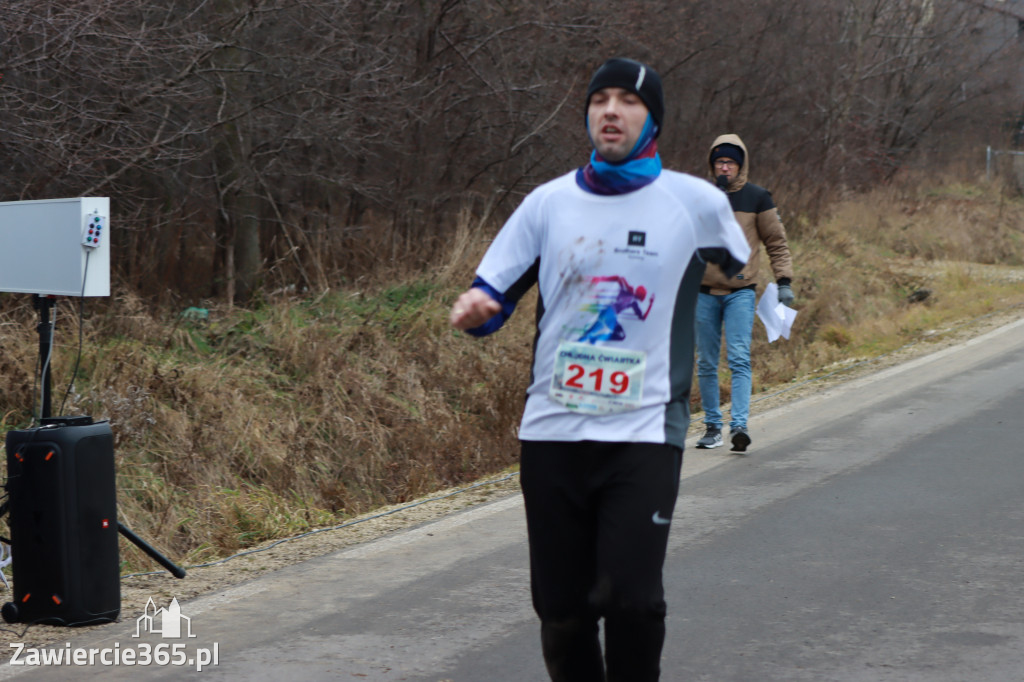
712,438
740,438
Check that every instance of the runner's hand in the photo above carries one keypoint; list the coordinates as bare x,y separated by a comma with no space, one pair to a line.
472,309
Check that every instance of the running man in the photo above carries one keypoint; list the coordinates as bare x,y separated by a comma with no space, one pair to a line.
600,469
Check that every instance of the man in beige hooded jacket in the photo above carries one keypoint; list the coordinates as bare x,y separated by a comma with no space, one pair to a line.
729,302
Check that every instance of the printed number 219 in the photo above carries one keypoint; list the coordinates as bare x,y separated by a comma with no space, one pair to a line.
578,376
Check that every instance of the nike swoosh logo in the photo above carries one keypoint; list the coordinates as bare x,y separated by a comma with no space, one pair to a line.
660,520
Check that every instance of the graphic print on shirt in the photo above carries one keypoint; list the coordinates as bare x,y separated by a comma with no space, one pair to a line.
607,327
600,379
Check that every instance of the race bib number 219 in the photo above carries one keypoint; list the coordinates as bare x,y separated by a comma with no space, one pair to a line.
597,379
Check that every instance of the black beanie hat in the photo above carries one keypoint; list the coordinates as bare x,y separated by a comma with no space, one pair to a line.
632,76
728,150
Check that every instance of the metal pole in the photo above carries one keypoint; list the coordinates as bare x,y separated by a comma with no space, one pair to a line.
44,304
175,570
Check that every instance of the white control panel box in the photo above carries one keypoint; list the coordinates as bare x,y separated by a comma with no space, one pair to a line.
57,247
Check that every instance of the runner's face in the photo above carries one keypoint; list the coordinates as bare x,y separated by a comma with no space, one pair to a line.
615,119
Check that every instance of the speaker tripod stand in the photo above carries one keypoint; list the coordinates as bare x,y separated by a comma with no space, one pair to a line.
62,509
44,304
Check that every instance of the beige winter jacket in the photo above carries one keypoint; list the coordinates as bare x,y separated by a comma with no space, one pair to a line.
756,213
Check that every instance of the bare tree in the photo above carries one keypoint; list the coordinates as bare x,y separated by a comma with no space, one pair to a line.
267,143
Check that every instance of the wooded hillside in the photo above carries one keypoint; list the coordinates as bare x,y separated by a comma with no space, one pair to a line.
260,145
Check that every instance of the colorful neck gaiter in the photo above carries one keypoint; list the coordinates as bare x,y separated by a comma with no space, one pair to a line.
638,169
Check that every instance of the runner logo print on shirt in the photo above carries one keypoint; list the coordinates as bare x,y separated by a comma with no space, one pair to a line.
603,379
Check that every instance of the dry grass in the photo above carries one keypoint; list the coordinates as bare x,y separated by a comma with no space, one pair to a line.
891,266
259,423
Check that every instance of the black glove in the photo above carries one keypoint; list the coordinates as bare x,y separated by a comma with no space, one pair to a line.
786,296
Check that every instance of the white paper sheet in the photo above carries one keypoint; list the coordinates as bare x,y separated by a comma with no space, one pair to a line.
777,318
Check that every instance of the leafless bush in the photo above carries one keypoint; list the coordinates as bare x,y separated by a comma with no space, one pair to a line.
255,145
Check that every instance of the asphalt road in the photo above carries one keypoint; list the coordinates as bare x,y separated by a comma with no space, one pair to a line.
874,532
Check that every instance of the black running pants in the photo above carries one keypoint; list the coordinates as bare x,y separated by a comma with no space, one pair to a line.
597,516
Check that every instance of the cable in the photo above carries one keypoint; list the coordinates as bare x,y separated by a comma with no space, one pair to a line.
35,382
17,635
81,333
46,366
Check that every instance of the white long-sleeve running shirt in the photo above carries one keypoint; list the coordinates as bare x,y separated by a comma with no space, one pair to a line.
618,278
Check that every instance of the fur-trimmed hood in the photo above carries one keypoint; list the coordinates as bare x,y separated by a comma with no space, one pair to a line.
741,177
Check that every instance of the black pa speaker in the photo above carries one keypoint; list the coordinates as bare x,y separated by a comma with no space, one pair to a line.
63,523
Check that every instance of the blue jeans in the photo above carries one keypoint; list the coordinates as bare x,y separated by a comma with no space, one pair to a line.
736,312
